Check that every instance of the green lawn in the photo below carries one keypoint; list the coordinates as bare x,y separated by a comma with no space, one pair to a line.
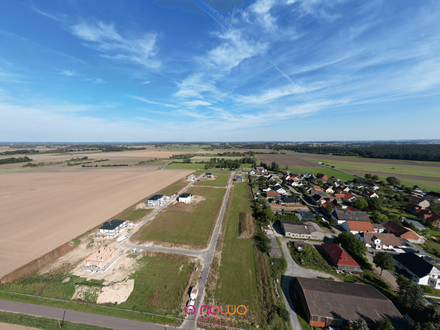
188,166
174,187
186,224
237,282
312,259
136,214
43,323
220,181
327,171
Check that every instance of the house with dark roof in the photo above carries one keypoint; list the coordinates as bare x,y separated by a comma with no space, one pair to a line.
412,208
370,194
304,215
306,230
329,303
340,258
112,228
185,198
156,200
342,216
322,177
422,202
418,269
379,241
403,232
287,200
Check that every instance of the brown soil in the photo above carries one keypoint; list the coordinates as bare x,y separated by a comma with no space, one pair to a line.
245,225
402,176
42,211
284,160
8,326
363,160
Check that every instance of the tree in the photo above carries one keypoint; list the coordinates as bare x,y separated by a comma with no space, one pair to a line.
393,180
368,176
333,222
384,260
360,204
379,217
359,324
435,206
375,178
410,293
349,242
384,324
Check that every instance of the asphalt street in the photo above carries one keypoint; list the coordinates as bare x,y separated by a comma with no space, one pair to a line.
79,317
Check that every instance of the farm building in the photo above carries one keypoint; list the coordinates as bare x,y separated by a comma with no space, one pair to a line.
340,258
298,229
185,198
329,303
101,260
156,200
112,228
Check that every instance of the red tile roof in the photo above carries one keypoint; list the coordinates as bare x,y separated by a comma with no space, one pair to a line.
351,209
272,194
338,255
348,196
360,226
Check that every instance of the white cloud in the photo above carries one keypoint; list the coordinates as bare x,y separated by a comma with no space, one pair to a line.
196,85
152,102
105,39
195,103
68,73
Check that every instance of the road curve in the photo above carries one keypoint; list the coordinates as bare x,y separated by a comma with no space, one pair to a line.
78,317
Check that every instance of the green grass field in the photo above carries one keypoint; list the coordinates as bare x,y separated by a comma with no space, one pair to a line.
174,187
187,166
393,169
136,214
186,224
43,323
237,282
220,181
327,171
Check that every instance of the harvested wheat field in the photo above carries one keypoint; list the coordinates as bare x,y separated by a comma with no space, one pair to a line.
41,211
284,160
8,326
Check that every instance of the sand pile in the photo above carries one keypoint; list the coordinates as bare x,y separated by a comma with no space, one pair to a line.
116,293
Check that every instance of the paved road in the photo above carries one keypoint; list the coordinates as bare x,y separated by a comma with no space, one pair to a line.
79,317
385,274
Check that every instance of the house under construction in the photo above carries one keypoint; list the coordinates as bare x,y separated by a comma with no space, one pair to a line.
101,260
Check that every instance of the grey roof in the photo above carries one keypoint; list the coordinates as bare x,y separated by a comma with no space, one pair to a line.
385,239
415,264
348,301
155,197
416,223
305,215
287,199
351,215
298,227
112,224
185,195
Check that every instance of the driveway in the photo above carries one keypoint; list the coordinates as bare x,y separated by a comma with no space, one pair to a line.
386,274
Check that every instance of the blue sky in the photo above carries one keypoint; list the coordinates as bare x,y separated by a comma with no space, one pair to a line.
219,70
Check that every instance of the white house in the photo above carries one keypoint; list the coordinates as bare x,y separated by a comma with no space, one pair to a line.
185,198
156,200
328,190
379,241
112,228
422,271
371,194
209,175
191,177
280,190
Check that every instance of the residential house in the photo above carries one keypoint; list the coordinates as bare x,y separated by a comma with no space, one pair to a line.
379,241
343,189
112,228
239,178
335,182
356,227
290,200
191,177
272,195
309,176
416,224
420,270
279,190
314,198
329,303
340,258
434,220
358,186
322,177
156,200
306,230
351,209
315,189
379,228
350,197
261,170
422,202
403,232
294,182
371,194
342,216
413,208
304,215
209,175
370,186
185,198
328,189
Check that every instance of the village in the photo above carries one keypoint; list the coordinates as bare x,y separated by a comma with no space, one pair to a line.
347,227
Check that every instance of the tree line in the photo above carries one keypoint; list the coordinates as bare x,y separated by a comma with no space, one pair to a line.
15,160
423,152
